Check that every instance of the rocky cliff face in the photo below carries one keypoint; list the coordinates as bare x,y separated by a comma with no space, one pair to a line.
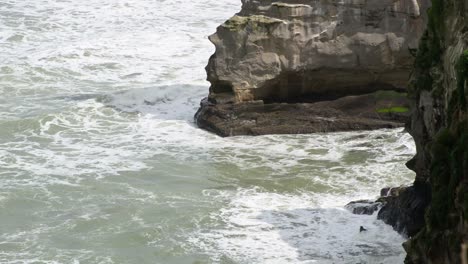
306,51
278,50
440,128
323,50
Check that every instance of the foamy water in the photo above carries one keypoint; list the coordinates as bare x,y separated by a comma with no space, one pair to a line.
100,161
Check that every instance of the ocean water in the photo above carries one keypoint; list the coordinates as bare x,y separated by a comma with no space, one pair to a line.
100,161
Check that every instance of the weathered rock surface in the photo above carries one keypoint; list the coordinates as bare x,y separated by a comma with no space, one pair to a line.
439,125
363,112
307,50
434,211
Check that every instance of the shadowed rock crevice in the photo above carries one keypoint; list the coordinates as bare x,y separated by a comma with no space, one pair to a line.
320,85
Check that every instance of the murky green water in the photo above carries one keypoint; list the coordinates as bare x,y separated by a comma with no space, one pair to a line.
100,161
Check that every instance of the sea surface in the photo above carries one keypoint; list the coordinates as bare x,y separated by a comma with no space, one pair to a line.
100,161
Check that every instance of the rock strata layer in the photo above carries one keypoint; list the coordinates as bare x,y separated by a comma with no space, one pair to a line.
302,51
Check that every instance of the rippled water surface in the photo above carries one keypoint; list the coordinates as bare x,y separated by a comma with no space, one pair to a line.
100,161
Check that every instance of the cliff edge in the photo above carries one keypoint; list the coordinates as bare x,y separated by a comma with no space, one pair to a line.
439,125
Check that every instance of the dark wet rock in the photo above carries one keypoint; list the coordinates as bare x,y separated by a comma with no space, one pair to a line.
401,207
404,209
364,207
439,126
364,112
385,192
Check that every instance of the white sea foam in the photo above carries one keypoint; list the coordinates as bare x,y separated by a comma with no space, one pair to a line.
263,227
97,144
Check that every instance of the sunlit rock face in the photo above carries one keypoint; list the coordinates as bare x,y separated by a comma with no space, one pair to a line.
279,51
331,59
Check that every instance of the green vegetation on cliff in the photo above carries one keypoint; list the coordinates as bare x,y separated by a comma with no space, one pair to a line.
443,141
430,50
396,109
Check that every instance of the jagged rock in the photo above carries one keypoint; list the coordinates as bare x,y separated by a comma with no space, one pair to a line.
402,207
293,51
364,207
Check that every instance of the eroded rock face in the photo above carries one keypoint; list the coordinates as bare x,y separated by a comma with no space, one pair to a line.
309,51
439,125
278,50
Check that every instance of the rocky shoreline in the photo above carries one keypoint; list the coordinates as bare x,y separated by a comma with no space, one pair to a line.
363,112
304,66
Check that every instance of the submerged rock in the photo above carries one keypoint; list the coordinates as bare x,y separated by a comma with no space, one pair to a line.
305,51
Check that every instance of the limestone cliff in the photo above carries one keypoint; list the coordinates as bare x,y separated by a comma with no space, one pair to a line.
304,51
276,50
440,128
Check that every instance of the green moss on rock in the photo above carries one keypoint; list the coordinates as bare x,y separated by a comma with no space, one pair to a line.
396,109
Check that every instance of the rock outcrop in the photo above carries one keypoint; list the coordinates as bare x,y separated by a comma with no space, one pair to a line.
439,125
361,112
364,207
402,207
404,210
308,51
